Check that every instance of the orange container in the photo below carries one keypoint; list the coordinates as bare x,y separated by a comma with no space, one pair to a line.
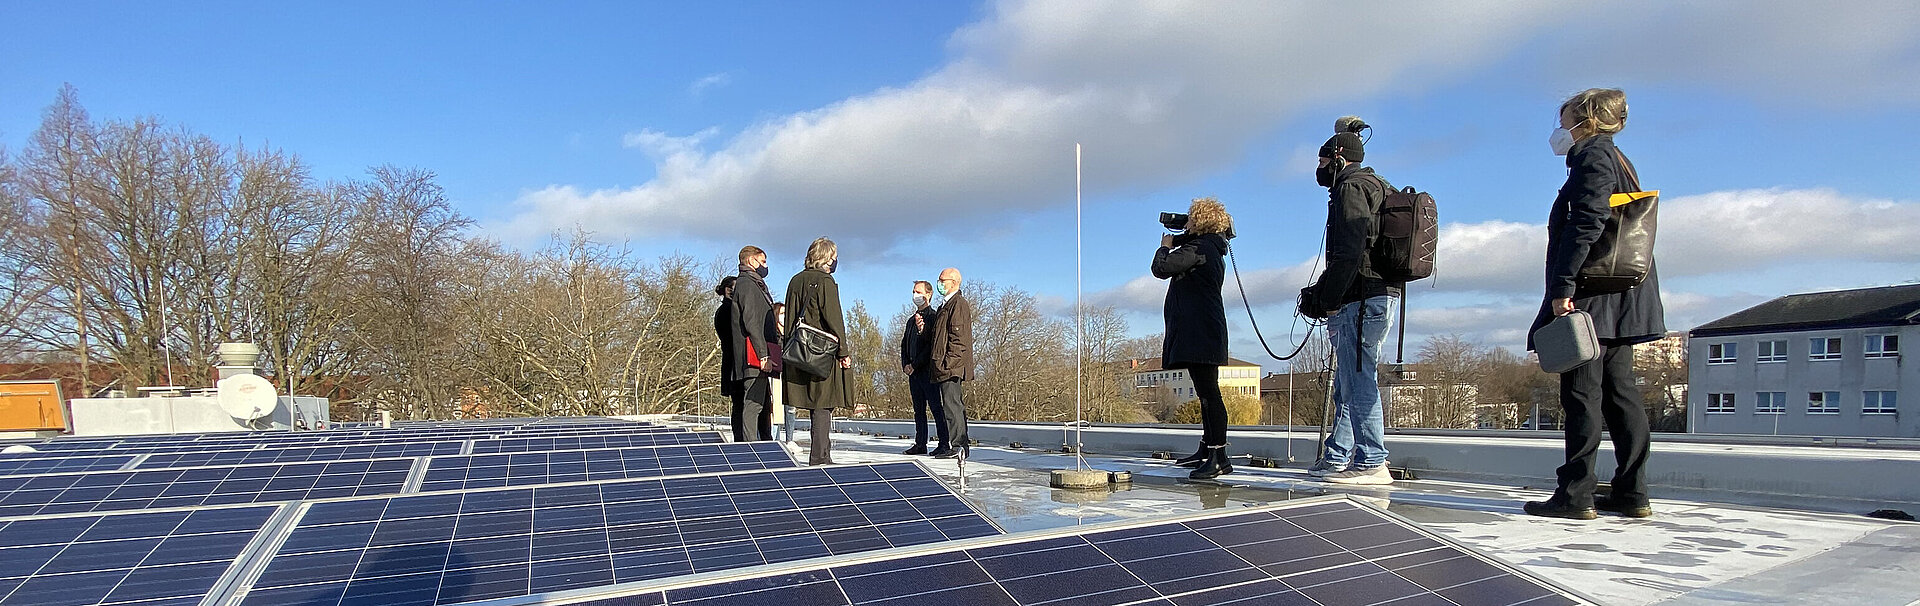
31,406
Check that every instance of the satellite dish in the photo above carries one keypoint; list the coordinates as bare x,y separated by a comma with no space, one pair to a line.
17,449
247,397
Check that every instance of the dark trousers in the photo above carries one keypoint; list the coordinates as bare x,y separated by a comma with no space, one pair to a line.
820,445
739,405
955,408
753,410
1604,388
926,397
1213,406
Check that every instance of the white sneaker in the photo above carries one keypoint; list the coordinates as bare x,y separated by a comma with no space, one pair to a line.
1377,476
1322,469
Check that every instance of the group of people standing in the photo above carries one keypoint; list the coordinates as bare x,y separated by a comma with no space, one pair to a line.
936,351
1357,302
1354,298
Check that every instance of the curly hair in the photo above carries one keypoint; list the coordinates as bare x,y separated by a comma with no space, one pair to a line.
821,253
1208,216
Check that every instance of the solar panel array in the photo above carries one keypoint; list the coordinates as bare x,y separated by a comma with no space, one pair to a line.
489,471
1329,553
162,488
456,547
536,510
151,559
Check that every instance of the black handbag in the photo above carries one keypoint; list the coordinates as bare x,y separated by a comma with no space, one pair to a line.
1623,255
809,351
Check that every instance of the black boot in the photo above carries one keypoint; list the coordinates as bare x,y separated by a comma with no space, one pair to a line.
1556,508
1194,460
1215,466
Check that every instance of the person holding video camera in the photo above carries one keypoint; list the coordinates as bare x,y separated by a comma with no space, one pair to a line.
1194,263
1357,304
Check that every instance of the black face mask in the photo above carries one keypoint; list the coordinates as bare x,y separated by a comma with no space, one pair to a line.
761,270
1324,175
835,266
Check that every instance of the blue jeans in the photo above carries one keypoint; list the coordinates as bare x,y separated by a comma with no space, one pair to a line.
1358,436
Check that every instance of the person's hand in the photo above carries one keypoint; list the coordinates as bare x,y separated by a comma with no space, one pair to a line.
1310,304
1166,240
1561,307
766,364
919,322
846,362
907,368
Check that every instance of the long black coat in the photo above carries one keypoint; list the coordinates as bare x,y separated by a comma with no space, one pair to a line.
723,327
1196,315
1578,218
813,297
752,323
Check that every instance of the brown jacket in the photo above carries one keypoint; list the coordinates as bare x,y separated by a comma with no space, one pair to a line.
952,340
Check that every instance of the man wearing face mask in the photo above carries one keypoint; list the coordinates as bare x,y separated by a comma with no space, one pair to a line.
1358,306
951,355
915,360
753,353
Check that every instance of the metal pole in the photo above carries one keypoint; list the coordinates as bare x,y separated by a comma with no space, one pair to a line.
1079,323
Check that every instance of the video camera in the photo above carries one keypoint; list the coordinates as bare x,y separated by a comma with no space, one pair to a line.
1178,222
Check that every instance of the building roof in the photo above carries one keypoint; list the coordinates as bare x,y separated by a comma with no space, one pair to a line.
1153,364
1857,308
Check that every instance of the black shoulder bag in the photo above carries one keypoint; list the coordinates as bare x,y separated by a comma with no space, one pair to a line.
1623,255
809,350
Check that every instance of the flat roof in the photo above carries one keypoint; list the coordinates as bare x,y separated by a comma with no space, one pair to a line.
1855,308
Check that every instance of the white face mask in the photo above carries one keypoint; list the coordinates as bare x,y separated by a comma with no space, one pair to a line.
1561,141
920,300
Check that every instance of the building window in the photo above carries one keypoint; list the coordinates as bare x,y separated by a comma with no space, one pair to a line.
1772,351
1723,353
1719,403
1770,403
1824,348
1880,403
1823,402
1883,346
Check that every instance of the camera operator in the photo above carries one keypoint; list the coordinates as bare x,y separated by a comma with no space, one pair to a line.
1358,306
1196,319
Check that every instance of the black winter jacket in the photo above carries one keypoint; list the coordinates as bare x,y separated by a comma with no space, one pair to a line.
916,347
1578,218
1353,207
1196,316
723,327
752,323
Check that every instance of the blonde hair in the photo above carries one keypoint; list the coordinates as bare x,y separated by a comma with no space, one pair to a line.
1602,109
1208,216
750,251
821,253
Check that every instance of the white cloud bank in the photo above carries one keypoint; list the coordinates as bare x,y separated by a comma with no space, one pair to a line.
1163,91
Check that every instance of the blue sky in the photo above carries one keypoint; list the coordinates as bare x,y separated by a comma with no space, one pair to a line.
928,134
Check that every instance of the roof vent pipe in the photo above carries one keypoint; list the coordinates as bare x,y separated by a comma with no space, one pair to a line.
238,359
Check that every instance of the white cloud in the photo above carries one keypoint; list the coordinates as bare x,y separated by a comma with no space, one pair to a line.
710,81
1157,92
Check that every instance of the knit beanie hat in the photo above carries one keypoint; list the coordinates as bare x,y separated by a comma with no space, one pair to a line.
1346,140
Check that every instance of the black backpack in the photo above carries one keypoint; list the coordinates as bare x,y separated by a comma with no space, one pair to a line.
1408,235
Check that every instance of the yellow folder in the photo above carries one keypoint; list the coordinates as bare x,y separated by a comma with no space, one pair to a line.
1631,197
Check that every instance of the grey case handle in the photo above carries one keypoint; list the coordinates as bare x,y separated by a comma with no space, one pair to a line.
1566,343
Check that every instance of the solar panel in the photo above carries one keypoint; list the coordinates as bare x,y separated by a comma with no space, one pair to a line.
19,467
1330,553
158,488
586,442
501,543
287,455
520,469
151,559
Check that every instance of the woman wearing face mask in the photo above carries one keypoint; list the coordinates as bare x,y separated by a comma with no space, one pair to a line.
1604,388
815,298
